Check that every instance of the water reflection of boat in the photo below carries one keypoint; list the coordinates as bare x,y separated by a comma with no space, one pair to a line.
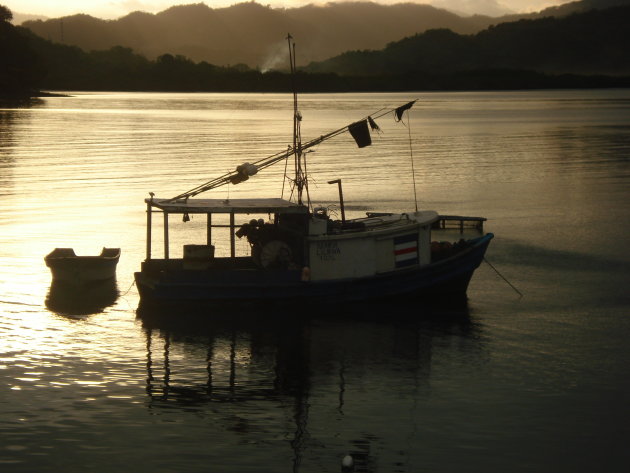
308,383
286,349
66,266
64,298
300,253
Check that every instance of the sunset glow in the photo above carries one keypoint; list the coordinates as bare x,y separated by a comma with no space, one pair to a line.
110,9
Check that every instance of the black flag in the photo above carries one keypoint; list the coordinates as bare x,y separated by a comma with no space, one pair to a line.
373,124
360,133
399,111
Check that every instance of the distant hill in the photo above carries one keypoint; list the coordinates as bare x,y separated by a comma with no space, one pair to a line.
254,34
577,50
569,9
36,63
593,42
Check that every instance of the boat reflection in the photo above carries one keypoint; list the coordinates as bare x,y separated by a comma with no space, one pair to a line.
269,355
237,361
81,300
296,372
300,373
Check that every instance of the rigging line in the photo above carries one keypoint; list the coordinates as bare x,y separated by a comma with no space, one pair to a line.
272,159
308,195
379,111
503,277
413,171
292,187
218,181
315,141
286,163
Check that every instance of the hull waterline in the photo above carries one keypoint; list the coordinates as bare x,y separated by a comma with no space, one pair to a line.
446,278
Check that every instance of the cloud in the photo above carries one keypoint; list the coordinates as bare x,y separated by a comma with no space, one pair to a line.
118,8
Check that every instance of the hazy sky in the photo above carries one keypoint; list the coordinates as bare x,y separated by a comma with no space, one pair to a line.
117,8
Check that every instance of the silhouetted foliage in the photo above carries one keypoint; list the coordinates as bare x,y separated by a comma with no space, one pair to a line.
502,57
21,70
251,33
585,43
5,14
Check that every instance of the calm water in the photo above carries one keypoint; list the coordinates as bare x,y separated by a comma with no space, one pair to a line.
538,383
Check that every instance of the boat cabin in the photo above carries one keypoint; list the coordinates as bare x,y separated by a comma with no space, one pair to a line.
293,240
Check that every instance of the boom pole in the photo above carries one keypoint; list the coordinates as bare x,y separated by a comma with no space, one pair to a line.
300,181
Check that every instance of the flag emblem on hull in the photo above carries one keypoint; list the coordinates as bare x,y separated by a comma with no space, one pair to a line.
406,250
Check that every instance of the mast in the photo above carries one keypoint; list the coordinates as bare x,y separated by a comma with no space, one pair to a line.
300,180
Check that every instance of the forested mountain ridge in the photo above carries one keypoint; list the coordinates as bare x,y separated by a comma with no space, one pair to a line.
593,42
566,9
518,55
251,33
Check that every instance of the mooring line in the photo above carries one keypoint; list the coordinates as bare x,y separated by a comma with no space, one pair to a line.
127,291
122,296
503,277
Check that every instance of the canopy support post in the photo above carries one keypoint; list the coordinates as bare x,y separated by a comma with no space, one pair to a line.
165,235
209,229
232,243
341,204
148,257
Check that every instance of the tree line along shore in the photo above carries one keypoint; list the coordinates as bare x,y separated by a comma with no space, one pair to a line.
430,61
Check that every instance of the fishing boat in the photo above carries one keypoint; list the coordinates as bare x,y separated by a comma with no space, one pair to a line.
299,252
67,267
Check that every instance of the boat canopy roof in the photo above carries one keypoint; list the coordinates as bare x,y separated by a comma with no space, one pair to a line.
243,206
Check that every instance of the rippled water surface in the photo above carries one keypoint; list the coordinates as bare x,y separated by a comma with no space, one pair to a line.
505,383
